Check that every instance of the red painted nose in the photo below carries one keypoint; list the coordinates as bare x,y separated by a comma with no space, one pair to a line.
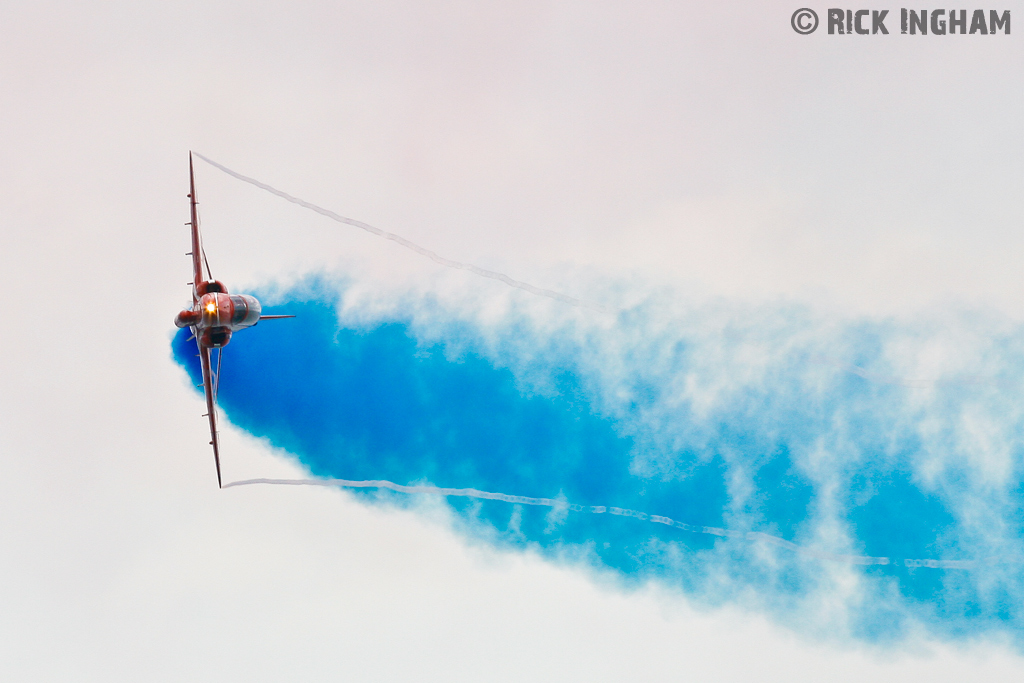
186,318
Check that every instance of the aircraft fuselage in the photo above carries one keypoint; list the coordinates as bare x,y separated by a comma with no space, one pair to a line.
216,314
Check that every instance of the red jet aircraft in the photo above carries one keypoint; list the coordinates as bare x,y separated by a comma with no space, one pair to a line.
214,315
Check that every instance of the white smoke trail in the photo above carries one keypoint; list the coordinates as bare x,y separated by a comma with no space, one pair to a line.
878,378
624,512
436,258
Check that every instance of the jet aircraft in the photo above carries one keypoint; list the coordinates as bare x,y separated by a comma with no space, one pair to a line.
215,314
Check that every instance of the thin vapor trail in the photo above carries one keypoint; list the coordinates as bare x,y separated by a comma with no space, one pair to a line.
538,291
482,272
624,512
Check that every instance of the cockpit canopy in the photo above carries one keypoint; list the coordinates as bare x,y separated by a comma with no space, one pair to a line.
245,310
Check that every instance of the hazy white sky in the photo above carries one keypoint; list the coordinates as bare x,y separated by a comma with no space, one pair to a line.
689,147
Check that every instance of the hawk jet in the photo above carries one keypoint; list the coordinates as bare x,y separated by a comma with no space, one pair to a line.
214,316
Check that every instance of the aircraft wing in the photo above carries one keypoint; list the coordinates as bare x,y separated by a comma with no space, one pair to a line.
198,257
211,405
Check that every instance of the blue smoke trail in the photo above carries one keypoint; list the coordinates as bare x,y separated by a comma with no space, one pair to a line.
716,427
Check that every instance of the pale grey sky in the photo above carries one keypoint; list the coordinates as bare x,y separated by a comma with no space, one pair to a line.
703,149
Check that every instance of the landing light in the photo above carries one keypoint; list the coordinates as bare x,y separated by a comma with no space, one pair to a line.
211,307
